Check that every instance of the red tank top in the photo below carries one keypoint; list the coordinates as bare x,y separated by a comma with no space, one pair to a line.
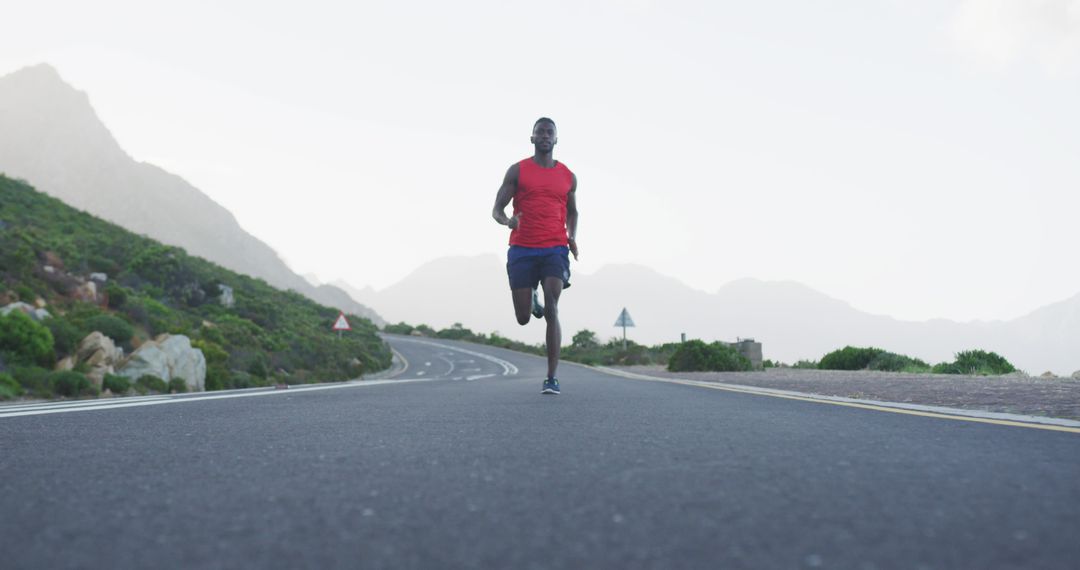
540,200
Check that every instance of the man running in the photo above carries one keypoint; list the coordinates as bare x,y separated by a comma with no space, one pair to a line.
541,235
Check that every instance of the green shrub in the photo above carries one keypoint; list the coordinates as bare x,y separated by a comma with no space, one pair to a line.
177,386
70,383
849,358
150,383
24,341
66,336
34,380
26,294
978,362
9,387
117,296
119,330
891,362
805,365
695,355
116,384
400,328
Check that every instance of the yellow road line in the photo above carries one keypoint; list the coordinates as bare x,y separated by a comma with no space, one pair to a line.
876,408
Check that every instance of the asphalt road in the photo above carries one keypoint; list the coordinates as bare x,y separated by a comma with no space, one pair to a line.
463,464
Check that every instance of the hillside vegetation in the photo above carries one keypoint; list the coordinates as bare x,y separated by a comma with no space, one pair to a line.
47,251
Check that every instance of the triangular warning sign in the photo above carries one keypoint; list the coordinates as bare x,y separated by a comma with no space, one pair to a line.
624,319
341,324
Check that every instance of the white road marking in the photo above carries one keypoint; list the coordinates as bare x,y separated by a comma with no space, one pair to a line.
477,377
508,368
112,404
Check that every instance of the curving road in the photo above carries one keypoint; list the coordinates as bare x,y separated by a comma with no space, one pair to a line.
459,462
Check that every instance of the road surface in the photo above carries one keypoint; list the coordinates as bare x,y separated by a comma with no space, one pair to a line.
459,462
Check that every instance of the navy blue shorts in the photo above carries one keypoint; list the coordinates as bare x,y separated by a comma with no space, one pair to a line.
526,266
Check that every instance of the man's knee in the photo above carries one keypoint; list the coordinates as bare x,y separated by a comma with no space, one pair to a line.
523,319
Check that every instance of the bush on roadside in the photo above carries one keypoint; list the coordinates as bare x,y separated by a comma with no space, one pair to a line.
116,384
892,362
24,341
849,358
976,362
34,380
150,383
695,355
66,336
400,328
9,387
71,384
177,386
805,365
119,330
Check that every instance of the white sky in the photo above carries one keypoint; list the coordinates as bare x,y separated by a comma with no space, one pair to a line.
915,158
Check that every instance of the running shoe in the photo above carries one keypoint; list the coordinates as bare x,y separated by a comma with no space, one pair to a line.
537,308
551,386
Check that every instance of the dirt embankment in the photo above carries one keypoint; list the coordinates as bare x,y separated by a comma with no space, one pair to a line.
1012,394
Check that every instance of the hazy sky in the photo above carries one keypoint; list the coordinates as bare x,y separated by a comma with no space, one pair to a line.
915,158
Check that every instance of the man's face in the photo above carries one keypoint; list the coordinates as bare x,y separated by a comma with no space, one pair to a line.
544,136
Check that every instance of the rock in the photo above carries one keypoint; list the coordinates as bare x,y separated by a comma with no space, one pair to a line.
86,292
66,364
226,297
1076,375
49,269
1047,374
40,303
97,349
99,277
168,357
17,306
186,362
27,309
148,359
101,354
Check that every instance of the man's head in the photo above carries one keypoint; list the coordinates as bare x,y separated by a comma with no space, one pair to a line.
544,135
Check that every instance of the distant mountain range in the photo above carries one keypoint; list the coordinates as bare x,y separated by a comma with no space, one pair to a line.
51,137
792,320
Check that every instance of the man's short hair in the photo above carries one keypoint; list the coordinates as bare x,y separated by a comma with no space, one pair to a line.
543,120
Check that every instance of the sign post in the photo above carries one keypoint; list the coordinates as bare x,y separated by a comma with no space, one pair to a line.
341,324
624,321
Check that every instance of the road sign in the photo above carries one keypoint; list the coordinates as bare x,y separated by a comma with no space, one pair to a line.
341,324
624,321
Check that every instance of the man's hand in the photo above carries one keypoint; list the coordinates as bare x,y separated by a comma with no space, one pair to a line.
514,222
573,248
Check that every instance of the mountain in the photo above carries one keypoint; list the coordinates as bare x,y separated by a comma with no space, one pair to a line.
792,320
51,137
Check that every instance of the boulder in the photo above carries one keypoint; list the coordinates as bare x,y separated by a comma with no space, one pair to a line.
168,357
1076,375
147,359
86,292
185,362
66,364
100,354
98,350
99,277
1047,374
30,311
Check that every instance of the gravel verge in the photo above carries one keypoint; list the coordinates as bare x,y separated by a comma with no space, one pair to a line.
1011,394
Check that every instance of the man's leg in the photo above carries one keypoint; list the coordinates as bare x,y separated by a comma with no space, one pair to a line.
553,287
522,304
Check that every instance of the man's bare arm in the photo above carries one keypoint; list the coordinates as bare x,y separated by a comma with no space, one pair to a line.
571,217
502,199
